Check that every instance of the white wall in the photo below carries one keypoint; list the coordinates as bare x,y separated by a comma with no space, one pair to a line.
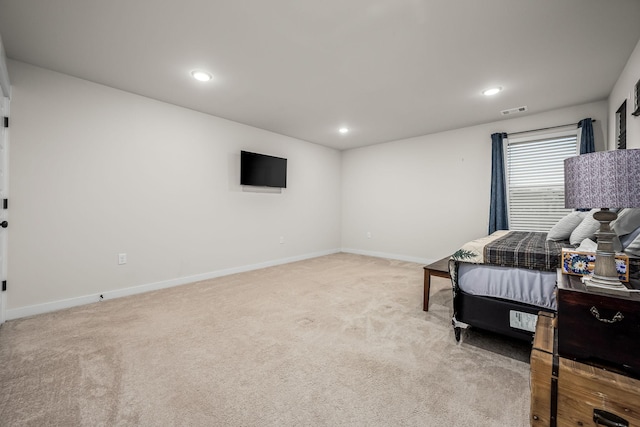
97,171
624,89
421,198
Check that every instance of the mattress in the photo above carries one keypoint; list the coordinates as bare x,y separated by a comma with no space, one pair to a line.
528,286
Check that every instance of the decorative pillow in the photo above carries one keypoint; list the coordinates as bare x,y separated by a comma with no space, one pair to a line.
617,246
563,228
628,220
586,229
634,247
626,240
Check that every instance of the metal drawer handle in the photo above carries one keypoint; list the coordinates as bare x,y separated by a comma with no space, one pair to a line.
617,318
608,419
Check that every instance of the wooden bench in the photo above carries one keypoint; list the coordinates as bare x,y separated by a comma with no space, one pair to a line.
439,268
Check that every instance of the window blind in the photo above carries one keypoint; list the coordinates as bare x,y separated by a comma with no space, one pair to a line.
535,182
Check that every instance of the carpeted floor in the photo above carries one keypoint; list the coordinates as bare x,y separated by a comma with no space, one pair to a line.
339,340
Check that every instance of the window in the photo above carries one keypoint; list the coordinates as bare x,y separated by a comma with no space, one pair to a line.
636,98
621,126
535,180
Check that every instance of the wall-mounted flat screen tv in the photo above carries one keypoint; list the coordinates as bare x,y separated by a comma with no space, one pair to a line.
261,170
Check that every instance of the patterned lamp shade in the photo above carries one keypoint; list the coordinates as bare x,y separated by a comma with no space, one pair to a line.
606,179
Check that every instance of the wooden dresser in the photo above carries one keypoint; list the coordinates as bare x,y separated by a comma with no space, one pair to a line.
566,393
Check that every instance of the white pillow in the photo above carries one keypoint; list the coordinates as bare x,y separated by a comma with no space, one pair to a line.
586,229
626,240
628,220
563,228
634,247
587,245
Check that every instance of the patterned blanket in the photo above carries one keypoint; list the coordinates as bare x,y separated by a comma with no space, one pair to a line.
520,249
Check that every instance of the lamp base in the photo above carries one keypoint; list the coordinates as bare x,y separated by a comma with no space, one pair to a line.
605,275
605,285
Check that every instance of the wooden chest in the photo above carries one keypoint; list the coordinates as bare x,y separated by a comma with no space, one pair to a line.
567,393
597,328
544,378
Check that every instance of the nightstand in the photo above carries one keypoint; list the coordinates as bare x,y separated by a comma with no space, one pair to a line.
597,328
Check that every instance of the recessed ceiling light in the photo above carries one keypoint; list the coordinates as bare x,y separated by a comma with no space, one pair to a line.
202,76
343,130
491,91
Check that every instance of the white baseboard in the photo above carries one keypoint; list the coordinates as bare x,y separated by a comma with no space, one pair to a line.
407,258
47,307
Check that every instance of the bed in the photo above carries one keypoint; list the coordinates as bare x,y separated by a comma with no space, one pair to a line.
501,282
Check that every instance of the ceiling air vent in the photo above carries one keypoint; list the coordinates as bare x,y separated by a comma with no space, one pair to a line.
516,110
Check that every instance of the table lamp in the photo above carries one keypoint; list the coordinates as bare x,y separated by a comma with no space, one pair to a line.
605,180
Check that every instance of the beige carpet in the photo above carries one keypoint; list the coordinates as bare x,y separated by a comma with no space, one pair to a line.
339,340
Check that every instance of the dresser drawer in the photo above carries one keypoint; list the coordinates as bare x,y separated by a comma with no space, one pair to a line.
598,328
583,389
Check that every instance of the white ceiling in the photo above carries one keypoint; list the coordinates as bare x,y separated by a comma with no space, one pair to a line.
387,69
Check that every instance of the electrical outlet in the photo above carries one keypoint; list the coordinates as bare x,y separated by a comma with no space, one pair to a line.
368,234
122,259
281,240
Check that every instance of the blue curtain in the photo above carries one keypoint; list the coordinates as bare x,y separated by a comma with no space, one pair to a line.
498,219
587,144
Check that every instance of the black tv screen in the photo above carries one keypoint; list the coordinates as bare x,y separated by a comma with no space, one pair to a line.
261,170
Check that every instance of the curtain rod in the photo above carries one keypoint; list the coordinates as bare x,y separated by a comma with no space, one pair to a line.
550,127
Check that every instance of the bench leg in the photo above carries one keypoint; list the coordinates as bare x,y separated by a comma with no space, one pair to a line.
427,289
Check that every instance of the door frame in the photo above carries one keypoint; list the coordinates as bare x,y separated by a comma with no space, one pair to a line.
5,95
4,214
